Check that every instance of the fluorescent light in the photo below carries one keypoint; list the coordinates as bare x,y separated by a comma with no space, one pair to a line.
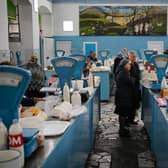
67,25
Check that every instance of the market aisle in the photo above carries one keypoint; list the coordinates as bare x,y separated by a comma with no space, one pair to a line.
111,151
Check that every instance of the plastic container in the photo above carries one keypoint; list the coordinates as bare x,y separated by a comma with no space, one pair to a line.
90,82
75,88
76,99
3,134
66,93
10,158
79,84
164,84
30,146
32,122
164,88
16,139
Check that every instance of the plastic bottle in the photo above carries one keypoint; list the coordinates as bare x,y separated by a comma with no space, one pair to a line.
16,139
90,82
76,99
76,86
164,83
164,87
66,93
105,62
3,134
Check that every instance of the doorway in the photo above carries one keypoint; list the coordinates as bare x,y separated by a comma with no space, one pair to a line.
88,47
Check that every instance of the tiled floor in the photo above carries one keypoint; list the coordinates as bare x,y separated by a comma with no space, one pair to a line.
111,151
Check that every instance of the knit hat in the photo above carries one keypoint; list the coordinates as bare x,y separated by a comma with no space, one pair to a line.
123,62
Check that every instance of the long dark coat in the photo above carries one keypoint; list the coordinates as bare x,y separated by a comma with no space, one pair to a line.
125,96
135,74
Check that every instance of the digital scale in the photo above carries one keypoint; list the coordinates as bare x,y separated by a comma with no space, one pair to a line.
148,54
161,64
104,54
64,68
13,84
78,71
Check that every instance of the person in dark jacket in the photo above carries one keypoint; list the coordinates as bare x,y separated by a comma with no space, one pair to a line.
125,98
116,62
135,74
37,79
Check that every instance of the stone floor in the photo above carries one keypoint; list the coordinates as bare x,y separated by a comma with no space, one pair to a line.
111,151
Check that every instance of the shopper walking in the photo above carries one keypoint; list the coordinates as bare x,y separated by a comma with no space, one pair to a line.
125,96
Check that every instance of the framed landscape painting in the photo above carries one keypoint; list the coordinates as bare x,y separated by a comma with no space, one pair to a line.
123,20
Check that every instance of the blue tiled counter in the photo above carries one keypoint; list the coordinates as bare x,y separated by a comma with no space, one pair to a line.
156,123
105,84
72,148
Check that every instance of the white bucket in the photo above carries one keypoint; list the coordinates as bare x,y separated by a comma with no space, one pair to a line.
10,158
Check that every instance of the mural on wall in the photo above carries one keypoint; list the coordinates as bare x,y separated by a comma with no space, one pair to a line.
123,20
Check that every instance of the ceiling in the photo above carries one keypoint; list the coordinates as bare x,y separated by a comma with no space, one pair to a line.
113,1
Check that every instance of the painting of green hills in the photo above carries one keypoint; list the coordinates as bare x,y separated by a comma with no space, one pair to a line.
123,20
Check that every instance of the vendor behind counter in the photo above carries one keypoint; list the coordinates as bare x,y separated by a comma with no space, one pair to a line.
33,94
38,78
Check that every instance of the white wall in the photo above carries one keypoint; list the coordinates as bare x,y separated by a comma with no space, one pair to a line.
47,24
45,3
3,26
26,45
35,29
26,26
63,12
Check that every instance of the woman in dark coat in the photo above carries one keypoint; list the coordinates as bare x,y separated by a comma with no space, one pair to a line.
125,98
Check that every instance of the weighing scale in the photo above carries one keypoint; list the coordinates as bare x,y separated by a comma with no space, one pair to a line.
161,63
13,84
59,53
18,55
64,68
78,71
148,55
104,54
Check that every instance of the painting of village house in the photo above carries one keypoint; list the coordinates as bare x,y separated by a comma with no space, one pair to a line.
123,20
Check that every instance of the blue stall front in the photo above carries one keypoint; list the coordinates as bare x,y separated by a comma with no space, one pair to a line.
156,122
72,148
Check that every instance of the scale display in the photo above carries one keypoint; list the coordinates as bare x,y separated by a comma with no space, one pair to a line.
64,63
104,53
161,62
10,79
